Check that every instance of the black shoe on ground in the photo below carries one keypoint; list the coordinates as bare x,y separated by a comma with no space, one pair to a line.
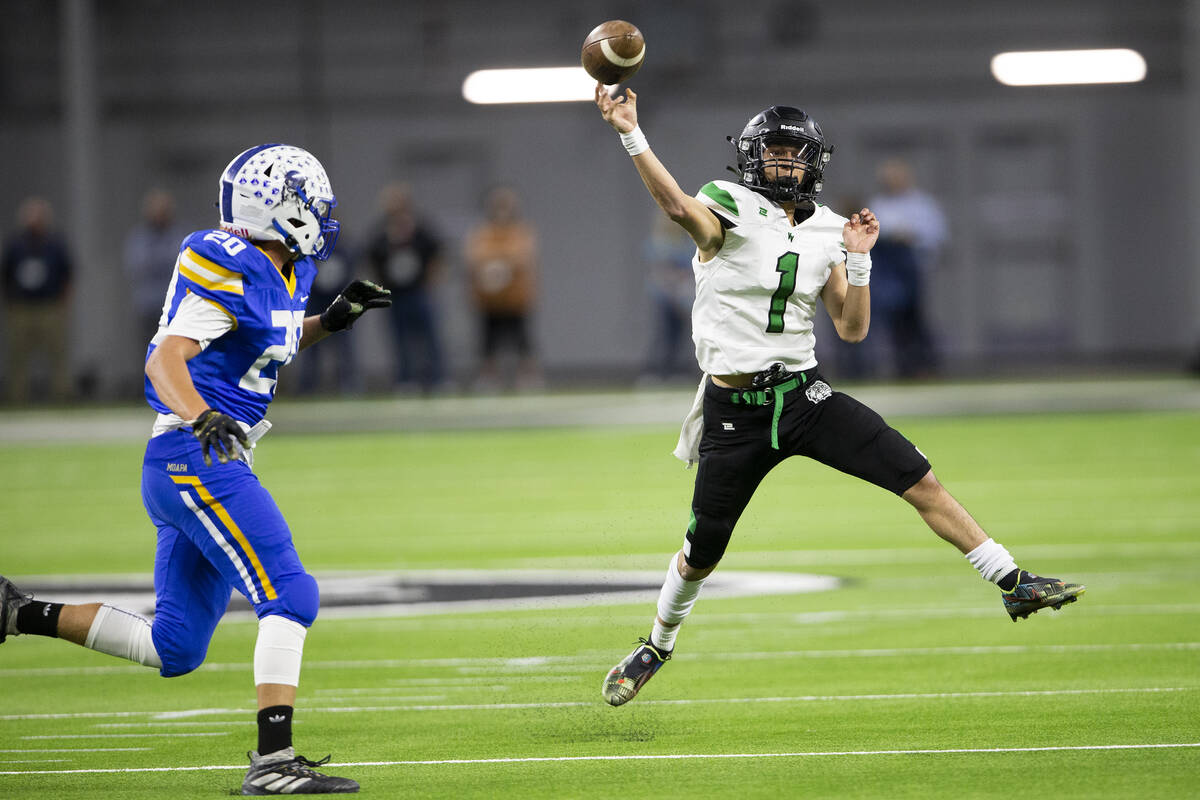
287,773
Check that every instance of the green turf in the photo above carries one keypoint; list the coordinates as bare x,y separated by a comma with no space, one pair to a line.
913,654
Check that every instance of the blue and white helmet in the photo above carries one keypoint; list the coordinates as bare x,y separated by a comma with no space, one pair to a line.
280,192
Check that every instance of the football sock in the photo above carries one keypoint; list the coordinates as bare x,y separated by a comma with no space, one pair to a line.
123,634
38,618
993,561
675,602
274,729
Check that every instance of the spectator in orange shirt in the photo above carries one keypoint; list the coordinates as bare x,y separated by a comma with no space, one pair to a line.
501,258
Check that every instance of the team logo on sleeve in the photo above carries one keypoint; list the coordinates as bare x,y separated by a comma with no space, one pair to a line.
818,391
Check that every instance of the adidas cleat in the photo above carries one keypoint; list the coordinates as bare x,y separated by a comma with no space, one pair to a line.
1033,592
625,679
11,599
287,773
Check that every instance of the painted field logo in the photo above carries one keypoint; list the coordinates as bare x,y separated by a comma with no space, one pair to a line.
420,592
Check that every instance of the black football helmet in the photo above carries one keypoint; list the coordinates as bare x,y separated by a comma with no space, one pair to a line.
782,125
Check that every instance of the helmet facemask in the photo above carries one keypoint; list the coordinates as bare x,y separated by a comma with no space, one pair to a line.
306,223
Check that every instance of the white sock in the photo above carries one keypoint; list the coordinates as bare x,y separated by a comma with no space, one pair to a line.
122,634
675,602
278,650
992,560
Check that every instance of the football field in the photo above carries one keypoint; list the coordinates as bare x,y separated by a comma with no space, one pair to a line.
901,677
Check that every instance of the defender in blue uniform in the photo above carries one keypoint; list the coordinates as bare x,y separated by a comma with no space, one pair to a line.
233,315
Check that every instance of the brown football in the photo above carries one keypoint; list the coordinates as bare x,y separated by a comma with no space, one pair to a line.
613,51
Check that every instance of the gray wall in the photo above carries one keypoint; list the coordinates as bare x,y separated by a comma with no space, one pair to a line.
1071,207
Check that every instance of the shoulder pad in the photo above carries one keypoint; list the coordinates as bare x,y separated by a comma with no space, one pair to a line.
217,261
835,217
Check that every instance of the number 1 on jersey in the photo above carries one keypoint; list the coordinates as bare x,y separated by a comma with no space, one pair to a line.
786,267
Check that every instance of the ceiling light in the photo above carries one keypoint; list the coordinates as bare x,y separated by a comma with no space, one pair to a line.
534,85
1063,67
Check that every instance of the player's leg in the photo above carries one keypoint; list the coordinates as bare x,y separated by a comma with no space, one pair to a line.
97,626
191,597
735,455
226,515
490,333
847,435
1022,592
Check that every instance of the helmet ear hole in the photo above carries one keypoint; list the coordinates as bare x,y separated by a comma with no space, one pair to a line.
296,223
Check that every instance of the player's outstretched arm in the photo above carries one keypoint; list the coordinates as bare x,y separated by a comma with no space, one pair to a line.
355,300
700,223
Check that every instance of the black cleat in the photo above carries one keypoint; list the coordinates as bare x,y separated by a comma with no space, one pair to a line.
11,599
287,773
626,679
1033,592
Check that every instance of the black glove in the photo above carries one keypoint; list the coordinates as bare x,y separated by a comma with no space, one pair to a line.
355,299
217,431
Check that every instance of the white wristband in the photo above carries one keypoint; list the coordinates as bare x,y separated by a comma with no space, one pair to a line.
635,142
858,268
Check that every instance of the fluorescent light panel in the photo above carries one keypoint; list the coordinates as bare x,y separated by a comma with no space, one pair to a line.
1064,67
534,85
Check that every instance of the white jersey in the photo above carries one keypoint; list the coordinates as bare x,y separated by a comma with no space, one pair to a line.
756,298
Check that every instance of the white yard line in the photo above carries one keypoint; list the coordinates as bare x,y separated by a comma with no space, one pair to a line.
80,750
155,724
526,663
804,698
156,734
657,757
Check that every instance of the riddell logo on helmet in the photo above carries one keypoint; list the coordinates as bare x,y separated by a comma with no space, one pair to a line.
236,231
790,128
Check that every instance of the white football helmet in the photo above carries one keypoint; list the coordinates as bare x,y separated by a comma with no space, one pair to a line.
280,192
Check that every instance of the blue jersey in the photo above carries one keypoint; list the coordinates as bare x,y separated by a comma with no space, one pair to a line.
236,373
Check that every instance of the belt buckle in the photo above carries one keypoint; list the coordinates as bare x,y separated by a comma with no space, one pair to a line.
776,373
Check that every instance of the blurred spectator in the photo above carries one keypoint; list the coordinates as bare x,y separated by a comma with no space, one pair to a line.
37,289
672,288
151,248
912,232
335,357
502,262
406,258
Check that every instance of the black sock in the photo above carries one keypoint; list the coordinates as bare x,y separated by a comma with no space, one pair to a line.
274,729
39,618
1010,580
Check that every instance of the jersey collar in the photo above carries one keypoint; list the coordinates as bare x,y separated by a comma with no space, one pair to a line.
289,282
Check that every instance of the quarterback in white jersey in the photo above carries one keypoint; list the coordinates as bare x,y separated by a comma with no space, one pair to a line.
766,279
766,252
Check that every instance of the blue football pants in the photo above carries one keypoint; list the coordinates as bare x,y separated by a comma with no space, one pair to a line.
218,530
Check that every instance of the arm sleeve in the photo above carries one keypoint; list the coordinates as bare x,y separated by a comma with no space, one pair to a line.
200,319
722,202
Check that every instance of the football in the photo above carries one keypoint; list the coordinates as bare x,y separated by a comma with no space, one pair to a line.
613,51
